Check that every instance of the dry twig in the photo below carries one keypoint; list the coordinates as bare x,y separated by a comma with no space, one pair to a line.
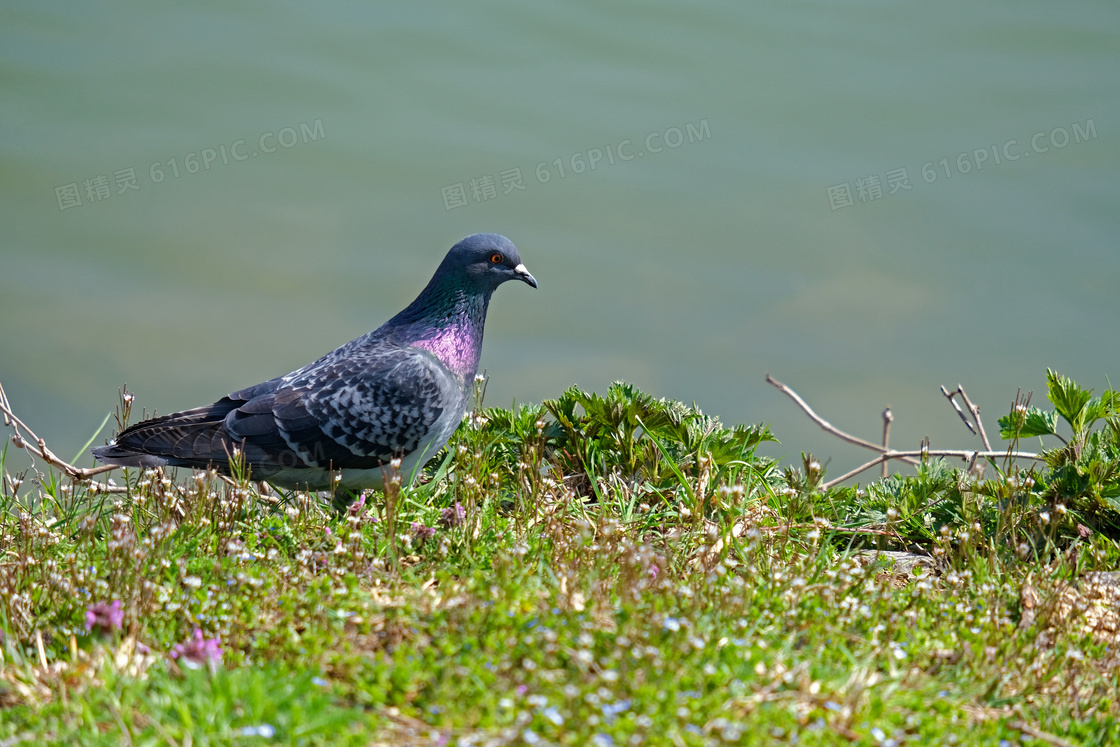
965,454
888,418
25,438
972,409
910,457
827,426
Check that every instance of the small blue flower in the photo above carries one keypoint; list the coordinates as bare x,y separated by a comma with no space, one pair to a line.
611,710
264,730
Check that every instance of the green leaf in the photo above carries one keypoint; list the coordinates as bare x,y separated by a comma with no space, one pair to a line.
1069,400
92,438
1029,423
672,466
1104,406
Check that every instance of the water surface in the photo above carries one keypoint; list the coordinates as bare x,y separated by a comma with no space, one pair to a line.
328,156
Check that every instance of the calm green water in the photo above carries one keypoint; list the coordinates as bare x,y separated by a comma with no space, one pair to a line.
327,157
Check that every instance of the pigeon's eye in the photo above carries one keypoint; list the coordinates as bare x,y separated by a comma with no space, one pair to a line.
496,258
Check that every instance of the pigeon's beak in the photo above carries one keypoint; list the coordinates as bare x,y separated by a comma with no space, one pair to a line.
523,274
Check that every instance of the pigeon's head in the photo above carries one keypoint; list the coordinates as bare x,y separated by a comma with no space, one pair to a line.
486,260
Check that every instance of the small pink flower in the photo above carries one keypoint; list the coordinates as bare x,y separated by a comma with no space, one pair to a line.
422,533
653,571
198,651
105,617
357,506
452,517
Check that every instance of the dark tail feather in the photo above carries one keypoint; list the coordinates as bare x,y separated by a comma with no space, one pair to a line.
114,454
192,438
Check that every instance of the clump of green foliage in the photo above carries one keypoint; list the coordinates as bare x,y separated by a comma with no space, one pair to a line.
593,570
1073,494
1084,472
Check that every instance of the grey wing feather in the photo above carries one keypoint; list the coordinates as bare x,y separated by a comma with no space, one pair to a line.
363,411
352,411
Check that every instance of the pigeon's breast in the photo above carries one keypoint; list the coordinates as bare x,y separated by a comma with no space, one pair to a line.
458,348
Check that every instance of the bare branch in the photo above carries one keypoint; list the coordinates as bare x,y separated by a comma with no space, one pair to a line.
965,454
910,457
881,459
25,438
960,412
888,418
827,426
973,410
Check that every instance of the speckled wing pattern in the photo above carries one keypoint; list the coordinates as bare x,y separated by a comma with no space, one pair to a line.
352,409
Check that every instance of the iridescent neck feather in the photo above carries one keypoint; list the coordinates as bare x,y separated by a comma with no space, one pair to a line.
448,323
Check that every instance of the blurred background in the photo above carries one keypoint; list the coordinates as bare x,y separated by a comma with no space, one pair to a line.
867,200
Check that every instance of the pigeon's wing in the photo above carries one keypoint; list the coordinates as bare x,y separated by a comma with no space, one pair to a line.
352,412
356,411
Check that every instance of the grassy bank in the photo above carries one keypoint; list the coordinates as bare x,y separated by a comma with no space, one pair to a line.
596,570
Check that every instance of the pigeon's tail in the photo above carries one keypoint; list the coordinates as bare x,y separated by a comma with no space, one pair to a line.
192,438
126,457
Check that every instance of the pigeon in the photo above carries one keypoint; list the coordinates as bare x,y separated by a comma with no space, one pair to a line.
398,392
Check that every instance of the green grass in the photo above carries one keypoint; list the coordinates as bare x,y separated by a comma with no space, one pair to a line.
595,570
